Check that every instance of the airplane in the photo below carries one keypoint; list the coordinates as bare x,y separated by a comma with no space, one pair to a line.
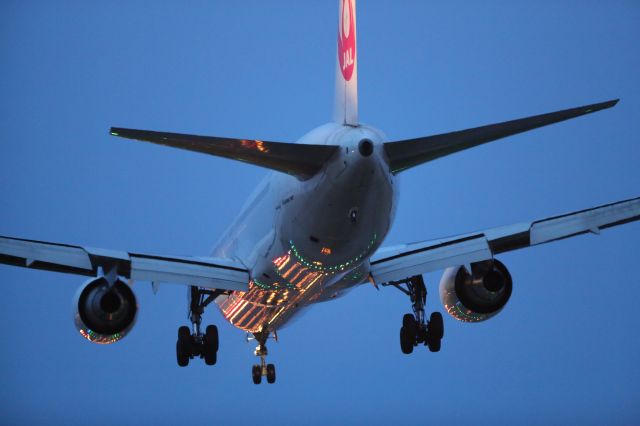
312,231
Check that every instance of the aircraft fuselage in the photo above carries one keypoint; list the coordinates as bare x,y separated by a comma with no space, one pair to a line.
308,241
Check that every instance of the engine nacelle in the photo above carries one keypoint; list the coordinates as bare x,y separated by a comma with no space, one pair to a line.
477,295
104,314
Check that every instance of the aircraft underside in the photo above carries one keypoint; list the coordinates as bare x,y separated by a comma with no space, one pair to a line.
312,230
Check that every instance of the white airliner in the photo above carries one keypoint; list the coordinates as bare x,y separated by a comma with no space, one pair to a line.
312,230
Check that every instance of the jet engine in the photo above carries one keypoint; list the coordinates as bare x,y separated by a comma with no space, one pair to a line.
104,314
476,295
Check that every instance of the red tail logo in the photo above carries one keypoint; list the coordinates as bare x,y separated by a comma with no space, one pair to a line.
347,40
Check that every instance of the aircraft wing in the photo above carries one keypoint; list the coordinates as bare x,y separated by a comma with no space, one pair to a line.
207,272
407,260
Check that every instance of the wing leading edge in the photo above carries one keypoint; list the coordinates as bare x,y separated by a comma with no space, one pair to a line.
412,152
207,272
399,262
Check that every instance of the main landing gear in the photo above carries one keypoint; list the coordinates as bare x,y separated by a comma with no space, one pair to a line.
415,329
262,369
192,342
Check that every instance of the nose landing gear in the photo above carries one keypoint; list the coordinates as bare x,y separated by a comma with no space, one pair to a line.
263,369
415,328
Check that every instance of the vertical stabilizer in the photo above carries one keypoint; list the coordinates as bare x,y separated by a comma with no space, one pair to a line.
346,108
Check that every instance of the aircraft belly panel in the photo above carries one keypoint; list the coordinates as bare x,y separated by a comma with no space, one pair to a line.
264,307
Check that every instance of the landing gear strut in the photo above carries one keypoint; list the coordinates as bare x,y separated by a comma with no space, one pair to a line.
192,342
262,369
415,328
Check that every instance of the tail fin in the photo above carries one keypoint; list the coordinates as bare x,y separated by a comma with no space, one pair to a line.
346,107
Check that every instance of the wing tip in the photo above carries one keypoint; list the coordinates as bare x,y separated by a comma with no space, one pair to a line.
605,105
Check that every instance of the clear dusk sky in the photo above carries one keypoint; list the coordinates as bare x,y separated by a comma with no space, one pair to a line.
564,350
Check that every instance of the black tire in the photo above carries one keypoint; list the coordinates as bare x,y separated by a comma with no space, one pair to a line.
271,373
184,337
211,334
408,320
256,373
411,325
210,349
183,346
434,345
436,325
183,359
183,332
210,357
406,341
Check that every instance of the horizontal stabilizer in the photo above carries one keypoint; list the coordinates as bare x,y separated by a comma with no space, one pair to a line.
302,161
412,152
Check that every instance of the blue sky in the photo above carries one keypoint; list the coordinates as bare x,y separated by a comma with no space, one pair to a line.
565,349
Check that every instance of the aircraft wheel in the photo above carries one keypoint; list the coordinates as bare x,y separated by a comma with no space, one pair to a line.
271,373
411,325
256,373
436,332
183,346
436,325
212,334
408,333
183,359
408,320
434,345
211,345
184,336
406,341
